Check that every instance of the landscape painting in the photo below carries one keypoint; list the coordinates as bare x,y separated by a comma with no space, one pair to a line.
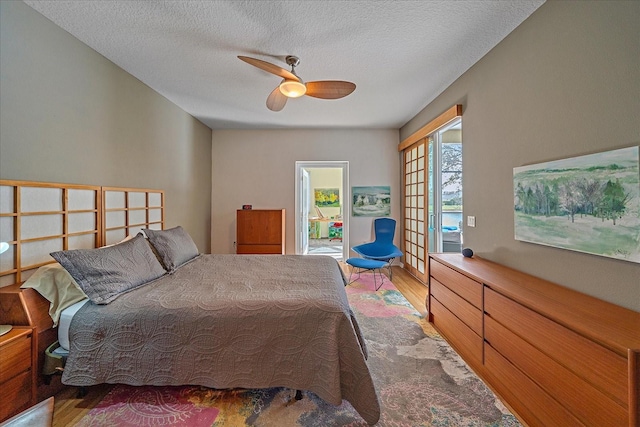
371,201
588,203
327,197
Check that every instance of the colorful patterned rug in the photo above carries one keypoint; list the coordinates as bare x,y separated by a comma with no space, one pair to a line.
420,381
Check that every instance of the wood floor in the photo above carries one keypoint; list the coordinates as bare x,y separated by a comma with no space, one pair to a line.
69,408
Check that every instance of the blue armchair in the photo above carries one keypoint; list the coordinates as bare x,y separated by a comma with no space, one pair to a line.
382,248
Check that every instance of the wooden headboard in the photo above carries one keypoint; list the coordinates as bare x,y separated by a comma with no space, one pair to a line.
129,210
37,218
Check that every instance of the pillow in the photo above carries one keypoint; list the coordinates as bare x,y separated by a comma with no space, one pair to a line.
174,246
55,283
106,273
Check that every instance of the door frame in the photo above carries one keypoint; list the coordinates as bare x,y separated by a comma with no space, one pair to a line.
346,205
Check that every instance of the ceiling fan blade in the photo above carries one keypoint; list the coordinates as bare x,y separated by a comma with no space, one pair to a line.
330,89
276,100
270,68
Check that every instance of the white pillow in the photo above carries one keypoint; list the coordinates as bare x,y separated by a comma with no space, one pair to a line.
55,284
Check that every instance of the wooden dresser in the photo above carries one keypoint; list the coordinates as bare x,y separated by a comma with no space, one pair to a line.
18,363
555,356
260,231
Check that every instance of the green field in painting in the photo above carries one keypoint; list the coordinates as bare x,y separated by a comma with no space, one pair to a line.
586,234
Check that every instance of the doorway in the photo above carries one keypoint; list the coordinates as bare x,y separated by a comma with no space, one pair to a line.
321,208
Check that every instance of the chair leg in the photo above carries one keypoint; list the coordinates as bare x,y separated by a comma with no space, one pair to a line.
351,273
389,262
375,283
373,270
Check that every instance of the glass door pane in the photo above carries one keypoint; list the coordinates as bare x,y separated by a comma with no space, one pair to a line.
433,237
451,196
445,189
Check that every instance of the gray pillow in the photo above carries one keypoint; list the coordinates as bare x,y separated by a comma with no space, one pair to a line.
174,247
106,273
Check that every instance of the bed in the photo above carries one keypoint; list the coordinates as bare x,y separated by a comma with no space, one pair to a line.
221,321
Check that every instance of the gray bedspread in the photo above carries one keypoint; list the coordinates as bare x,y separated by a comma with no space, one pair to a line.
230,321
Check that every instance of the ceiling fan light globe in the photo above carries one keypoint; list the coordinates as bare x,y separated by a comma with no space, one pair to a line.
292,88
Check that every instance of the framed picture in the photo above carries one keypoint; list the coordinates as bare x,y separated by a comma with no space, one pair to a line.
327,197
371,201
588,204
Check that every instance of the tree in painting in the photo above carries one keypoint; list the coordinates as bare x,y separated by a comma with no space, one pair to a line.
613,201
585,197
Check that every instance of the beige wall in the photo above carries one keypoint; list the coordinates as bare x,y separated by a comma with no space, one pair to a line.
326,178
565,83
257,167
69,115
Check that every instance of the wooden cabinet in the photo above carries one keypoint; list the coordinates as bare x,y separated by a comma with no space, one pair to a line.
260,231
17,371
555,356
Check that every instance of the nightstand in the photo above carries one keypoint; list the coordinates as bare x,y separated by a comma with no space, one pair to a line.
17,371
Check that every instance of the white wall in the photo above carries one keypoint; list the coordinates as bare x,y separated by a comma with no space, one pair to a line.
565,83
257,167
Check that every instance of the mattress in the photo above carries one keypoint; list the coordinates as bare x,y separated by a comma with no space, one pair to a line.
230,321
65,322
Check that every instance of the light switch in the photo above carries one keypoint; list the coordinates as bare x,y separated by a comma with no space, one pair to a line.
471,221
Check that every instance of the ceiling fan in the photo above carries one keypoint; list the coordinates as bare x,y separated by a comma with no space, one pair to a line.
292,86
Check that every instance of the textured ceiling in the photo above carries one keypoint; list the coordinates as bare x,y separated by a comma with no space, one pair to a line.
400,54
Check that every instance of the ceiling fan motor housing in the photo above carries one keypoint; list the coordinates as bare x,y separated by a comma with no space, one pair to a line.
292,60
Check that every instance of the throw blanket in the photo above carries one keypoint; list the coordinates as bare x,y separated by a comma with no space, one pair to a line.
230,321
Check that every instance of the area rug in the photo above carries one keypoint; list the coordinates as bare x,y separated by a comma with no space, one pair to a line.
420,381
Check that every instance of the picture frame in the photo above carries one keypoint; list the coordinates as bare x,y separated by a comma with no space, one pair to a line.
373,201
588,203
327,197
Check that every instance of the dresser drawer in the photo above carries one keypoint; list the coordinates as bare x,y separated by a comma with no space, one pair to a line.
523,395
467,343
259,249
462,285
604,369
15,357
585,402
16,395
460,307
